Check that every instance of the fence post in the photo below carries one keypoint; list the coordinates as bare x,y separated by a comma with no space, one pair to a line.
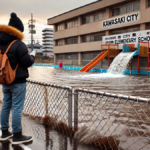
70,108
46,101
75,109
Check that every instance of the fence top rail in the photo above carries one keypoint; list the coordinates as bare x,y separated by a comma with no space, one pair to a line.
125,97
50,84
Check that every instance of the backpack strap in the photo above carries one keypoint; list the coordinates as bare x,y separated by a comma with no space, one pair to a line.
10,46
16,67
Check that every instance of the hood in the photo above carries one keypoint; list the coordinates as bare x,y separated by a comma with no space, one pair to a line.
9,33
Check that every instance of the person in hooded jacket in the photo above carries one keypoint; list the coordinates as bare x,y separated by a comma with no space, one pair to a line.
14,93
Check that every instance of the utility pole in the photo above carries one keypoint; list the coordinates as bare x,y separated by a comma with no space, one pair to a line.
31,26
31,31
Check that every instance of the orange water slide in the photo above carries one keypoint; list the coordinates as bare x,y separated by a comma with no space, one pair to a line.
94,62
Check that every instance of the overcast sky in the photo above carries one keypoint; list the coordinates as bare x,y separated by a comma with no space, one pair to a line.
41,9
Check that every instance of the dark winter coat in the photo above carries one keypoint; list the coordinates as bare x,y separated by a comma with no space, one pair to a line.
18,52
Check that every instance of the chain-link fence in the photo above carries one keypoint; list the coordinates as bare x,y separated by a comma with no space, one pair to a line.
49,103
112,121
105,120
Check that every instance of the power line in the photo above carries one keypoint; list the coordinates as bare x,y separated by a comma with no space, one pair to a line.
40,21
35,29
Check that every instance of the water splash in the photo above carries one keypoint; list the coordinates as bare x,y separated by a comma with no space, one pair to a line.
120,63
99,75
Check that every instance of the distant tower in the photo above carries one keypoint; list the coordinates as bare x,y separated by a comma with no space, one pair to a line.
48,42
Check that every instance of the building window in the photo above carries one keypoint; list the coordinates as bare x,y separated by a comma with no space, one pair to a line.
87,57
71,41
136,6
98,38
126,9
116,12
104,15
127,31
59,43
84,39
88,39
92,38
86,20
129,8
60,57
68,56
75,57
148,3
91,18
135,30
71,24
94,18
123,10
60,27
71,56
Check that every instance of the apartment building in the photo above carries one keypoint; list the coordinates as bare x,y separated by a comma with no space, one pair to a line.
78,33
48,42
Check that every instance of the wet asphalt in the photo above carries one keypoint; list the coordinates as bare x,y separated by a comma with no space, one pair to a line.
44,138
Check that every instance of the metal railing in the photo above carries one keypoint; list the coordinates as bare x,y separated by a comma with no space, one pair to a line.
144,49
105,120
49,103
111,121
113,50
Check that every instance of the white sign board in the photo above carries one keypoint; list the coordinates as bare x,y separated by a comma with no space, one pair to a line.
128,38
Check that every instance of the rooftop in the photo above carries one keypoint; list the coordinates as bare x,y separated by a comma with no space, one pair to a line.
48,29
75,9
83,10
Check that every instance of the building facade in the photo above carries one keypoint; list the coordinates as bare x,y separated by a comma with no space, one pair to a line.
78,33
48,42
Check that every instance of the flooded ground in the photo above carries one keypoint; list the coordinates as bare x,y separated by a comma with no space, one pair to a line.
44,138
119,84
47,139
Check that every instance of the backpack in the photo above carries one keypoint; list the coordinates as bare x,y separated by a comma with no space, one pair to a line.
7,74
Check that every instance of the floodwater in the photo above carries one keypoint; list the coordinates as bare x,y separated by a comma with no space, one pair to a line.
46,138
119,84
127,123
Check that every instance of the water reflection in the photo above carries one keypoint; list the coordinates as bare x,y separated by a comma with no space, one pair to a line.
17,147
52,141
63,142
7,146
55,140
49,141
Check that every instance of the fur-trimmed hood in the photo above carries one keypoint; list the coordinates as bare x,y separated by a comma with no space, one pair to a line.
11,31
